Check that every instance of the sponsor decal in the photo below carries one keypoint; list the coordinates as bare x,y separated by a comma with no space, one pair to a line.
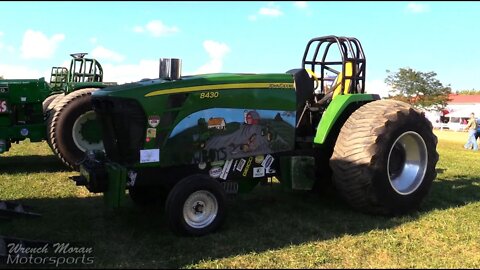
154,120
3,106
258,172
151,132
259,159
23,99
24,132
215,172
202,165
247,166
234,165
218,163
226,169
267,162
3,89
149,155
269,170
132,176
241,164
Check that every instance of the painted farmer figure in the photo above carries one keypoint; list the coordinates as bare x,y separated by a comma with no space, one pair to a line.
472,130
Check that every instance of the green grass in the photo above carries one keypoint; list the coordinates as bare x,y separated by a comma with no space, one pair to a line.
267,228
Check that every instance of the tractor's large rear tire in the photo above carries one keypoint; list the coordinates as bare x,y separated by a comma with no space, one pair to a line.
46,103
54,102
49,111
73,129
384,158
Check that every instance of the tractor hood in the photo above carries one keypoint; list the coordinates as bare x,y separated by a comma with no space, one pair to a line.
219,81
142,116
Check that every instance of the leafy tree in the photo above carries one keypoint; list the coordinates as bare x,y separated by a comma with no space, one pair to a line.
421,90
468,92
202,124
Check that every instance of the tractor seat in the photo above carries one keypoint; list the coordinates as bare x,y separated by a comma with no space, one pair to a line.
337,87
337,84
304,85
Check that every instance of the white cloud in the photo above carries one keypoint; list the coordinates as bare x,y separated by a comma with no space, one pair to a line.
156,28
377,87
132,72
22,72
103,53
417,8
138,29
37,45
217,52
300,4
271,10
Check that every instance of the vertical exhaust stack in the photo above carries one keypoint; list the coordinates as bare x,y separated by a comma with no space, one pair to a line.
170,68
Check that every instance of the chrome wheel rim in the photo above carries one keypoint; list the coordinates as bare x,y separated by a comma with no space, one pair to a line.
200,209
407,163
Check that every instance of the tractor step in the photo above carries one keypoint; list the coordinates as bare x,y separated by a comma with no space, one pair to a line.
13,209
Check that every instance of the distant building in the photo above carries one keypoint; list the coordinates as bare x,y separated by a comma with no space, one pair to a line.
463,102
218,123
456,113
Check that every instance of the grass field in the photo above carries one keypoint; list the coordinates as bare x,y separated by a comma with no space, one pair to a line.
267,228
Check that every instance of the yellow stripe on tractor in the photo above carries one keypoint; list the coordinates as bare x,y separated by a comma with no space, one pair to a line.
231,86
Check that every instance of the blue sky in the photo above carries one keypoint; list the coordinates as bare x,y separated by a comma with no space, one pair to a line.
261,37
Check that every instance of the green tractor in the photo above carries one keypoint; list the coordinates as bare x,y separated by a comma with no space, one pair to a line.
188,141
59,112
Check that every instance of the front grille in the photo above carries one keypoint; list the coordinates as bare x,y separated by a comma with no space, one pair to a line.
123,127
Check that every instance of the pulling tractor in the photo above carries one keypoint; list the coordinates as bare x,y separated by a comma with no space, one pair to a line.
59,112
188,141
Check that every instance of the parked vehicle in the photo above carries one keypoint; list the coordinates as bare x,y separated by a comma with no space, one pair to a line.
59,112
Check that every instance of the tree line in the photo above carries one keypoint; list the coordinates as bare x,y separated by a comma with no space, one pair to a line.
420,89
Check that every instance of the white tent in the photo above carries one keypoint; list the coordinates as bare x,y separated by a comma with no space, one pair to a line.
457,119
465,112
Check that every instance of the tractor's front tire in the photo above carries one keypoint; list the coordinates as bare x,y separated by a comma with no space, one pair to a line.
196,206
384,158
73,128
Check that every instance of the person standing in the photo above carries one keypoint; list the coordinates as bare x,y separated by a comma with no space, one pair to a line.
472,130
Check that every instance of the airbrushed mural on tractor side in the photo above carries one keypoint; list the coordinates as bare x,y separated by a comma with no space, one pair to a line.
225,136
221,134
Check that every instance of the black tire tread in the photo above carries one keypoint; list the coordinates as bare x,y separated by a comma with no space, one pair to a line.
48,100
52,122
357,145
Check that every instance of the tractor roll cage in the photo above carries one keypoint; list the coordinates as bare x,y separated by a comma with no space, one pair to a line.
81,70
350,50
85,69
